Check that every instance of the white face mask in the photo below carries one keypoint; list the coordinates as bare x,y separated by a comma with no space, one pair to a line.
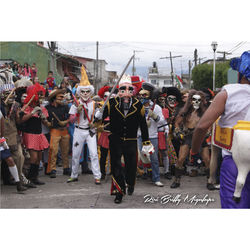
85,94
171,99
196,101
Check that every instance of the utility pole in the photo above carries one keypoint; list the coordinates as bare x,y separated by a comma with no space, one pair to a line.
171,62
53,47
189,72
195,57
133,67
97,66
224,54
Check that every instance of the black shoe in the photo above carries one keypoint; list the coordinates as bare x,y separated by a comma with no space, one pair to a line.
67,171
20,187
30,185
118,198
37,182
145,176
103,176
168,176
175,184
130,190
212,187
53,174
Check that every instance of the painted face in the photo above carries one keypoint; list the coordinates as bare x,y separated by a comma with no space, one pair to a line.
171,100
185,97
11,98
196,100
23,97
144,96
161,100
106,95
85,94
125,92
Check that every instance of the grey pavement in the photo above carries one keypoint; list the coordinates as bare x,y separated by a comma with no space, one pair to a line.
56,193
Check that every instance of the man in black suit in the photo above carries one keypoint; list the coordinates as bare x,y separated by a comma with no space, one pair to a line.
126,114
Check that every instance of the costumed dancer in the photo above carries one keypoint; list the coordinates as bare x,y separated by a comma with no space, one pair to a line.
58,118
154,118
163,134
173,104
33,115
83,115
126,114
232,103
185,124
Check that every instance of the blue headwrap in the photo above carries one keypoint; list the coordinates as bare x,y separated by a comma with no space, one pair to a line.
242,65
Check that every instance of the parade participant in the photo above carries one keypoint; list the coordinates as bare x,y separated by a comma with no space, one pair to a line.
59,118
185,124
154,118
82,114
126,114
209,95
162,134
173,104
11,107
232,103
6,155
103,140
33,114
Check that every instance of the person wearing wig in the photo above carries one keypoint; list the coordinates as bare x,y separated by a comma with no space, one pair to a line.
33,115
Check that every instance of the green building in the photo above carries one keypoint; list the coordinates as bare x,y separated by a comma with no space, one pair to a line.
30,52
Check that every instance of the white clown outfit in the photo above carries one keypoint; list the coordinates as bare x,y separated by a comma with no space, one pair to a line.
83,133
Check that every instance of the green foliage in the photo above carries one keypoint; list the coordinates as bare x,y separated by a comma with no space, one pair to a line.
202,75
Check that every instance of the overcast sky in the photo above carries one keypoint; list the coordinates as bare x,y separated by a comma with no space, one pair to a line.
117,54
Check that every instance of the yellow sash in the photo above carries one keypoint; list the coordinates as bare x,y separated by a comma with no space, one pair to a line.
223,137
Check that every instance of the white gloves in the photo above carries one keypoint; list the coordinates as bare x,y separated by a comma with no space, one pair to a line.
98,115
152,114
148,149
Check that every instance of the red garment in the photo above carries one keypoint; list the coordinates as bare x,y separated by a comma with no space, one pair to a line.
162,140
165,113
104,140
50,81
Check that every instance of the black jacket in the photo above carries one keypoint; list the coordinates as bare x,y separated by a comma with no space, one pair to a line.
126,126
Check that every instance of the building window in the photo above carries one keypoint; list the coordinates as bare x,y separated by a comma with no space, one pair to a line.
153,82
167,82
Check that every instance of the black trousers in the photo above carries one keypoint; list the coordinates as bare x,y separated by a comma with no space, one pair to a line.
103,158
128,149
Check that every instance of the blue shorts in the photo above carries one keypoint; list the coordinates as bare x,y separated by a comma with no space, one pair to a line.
5,154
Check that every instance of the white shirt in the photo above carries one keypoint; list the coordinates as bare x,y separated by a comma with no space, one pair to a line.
153,129
237,106
83,123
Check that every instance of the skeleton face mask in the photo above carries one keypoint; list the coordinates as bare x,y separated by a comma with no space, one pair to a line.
196,100
85,94
125,92
171,99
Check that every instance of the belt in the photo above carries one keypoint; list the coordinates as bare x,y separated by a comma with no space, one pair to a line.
82,128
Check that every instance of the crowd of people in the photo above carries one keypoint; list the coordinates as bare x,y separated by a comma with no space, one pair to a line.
131,135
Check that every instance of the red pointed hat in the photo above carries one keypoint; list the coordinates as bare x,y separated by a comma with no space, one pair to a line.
137,83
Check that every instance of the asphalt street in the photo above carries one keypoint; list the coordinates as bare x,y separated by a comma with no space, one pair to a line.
56,193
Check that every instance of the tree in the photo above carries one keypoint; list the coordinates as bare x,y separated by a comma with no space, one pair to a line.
202,75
